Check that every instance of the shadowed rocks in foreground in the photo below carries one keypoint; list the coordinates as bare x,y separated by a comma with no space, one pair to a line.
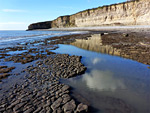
41,91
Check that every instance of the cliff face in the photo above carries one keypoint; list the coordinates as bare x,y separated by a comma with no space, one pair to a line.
40,25
127,13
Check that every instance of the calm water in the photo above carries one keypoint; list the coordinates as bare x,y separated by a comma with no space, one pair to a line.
110,82
11,38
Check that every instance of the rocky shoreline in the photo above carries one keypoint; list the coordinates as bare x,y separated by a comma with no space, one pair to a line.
32,51
42,92
133,46
40,89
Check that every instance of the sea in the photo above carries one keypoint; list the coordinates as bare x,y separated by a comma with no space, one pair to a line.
13,37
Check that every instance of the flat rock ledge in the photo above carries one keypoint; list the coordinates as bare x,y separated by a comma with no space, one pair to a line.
41,90
4,71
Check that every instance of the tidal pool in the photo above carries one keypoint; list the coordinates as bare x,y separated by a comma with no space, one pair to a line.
110,83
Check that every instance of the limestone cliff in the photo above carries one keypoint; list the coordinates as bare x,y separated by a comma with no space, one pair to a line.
40,25
128,13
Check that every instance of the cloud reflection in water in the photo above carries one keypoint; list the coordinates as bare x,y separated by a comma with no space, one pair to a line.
96,60
102,80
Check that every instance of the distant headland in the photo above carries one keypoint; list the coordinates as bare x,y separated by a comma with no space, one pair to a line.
135,12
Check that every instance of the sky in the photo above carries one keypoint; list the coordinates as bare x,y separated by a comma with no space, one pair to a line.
18,14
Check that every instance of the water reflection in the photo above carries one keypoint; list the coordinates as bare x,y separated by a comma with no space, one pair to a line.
103,80
94,43
96,60
111,82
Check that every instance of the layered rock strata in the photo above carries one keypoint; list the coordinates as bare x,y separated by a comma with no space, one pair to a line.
128,46
128,13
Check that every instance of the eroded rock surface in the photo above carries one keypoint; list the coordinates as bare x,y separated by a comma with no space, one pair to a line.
42,91
132,12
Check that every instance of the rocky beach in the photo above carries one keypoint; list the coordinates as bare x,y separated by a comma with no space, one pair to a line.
41,90
93,61
39,85
40,70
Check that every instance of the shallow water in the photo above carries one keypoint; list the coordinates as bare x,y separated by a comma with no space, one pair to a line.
11,38
111,83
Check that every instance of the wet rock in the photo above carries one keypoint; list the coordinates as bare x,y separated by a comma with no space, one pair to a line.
1,57
4,75
43,111
49,53
6,70
66,98
58,110
70,106
37,110
41,90
65,92
29,56
30,110
82,108
2,109
3,105
18,107
48,110
57,103
13,104
3,67
64,88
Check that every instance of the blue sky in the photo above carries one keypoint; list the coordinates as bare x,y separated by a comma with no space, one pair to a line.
18,14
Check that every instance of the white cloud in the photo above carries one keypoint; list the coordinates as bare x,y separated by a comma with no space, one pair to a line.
103,80
96,60
13,10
